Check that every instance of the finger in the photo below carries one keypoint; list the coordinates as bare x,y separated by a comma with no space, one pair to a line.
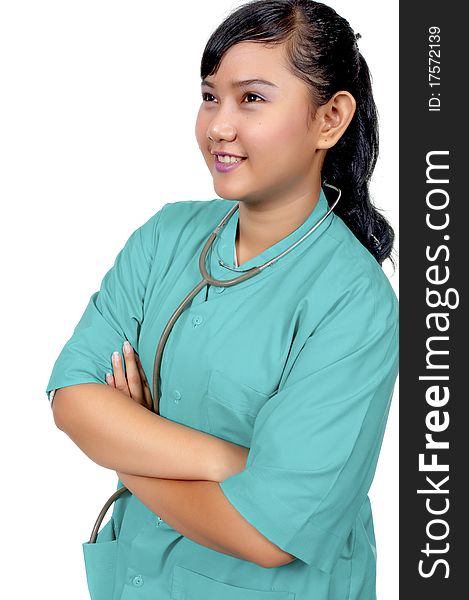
134,380
148,397
143,377
118,372
146,386
110,380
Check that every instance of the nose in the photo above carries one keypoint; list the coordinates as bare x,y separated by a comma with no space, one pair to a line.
221,127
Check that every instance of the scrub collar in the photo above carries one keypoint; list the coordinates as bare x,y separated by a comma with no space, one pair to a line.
225,243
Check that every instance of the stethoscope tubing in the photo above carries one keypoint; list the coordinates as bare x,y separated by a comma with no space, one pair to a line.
206,279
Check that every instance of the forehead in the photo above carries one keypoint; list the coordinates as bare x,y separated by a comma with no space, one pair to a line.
251,60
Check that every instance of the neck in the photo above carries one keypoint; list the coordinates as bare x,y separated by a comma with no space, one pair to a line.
261,226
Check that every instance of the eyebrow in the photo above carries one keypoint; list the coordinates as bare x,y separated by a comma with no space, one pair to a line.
243,83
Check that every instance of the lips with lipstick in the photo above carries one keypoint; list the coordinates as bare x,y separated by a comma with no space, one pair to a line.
224,161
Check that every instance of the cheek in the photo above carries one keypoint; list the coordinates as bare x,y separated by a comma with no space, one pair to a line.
283,134
282,144
200,127
292,129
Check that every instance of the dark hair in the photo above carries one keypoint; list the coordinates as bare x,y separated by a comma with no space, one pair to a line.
322,50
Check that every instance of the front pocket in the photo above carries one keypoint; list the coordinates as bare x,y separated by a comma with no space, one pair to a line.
189,585
100,562
232,408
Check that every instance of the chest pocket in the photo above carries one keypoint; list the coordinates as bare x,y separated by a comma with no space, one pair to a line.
232,408
189,585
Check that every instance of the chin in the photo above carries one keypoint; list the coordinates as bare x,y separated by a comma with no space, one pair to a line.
225,192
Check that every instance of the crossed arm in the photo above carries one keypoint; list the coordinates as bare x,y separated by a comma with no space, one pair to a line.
173,469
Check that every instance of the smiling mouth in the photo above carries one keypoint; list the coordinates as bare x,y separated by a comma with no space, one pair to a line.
226,167
230,162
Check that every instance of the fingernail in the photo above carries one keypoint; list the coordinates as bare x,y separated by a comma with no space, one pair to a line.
115,356
127,347
108,377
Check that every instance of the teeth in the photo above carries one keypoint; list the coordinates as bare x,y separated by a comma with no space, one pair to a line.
228,159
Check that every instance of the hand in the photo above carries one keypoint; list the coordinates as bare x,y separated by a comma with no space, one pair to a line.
135,385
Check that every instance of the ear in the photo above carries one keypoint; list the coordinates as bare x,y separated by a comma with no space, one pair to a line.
336,115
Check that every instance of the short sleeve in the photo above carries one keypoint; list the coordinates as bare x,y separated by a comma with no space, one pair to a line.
316,442
113,314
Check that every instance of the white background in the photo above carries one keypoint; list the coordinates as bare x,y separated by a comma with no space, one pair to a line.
97,113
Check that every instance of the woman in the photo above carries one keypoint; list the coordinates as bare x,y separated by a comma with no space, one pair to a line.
252,480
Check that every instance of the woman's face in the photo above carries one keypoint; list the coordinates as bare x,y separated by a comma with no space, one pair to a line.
265,123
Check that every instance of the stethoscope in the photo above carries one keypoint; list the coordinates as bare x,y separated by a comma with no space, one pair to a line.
206,279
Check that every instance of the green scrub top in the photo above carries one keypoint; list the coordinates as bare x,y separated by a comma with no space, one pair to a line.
297,363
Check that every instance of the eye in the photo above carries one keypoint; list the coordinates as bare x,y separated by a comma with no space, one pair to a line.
254,95
204,94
